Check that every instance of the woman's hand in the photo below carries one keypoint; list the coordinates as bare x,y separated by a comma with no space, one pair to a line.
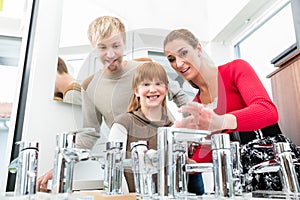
204,118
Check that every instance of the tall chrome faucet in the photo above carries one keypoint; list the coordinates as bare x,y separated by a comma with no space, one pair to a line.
27,168
66,155
288,173
113,168
222,164
142,169
172,143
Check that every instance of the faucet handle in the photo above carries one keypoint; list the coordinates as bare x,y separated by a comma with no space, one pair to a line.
75,154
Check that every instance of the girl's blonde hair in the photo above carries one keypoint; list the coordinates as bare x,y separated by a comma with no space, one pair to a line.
147,71
104,27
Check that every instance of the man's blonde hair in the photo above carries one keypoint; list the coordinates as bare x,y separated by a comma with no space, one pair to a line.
104,27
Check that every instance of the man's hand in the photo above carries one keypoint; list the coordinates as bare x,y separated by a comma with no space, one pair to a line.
43,180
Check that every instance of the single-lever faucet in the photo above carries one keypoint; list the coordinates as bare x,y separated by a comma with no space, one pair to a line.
237,168
113,168
222,165
287,168
172,143
142,167
66,155
26,168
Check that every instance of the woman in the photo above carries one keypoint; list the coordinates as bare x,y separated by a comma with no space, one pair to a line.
231,98
146,112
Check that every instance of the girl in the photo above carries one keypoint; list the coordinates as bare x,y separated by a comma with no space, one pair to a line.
146,112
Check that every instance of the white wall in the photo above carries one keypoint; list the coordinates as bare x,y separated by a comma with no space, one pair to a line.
219,52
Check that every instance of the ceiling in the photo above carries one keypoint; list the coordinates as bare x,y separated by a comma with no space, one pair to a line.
210,20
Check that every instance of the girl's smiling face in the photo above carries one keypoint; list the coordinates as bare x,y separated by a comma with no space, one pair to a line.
151,93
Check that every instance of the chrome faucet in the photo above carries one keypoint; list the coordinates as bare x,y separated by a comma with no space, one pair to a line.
142,167
26,168
171,147
287,168
237,168
222,165
113,168
66,155
173,143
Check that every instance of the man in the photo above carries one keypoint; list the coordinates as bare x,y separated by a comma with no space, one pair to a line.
106,94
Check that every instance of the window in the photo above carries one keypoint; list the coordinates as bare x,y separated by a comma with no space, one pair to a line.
9,58
272,37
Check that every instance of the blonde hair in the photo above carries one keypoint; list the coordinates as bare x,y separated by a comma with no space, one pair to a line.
147,71
191,39
103,27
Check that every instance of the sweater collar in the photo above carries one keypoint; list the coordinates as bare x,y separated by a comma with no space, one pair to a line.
162,123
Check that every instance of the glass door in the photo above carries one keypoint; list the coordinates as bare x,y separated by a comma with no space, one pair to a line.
16,21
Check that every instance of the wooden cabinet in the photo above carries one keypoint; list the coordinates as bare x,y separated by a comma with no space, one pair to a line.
285,82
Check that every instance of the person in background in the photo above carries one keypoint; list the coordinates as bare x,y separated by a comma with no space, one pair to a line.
67,89
146,112
231,99
106,94
5,109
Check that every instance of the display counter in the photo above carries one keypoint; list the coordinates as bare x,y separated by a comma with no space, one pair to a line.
100,195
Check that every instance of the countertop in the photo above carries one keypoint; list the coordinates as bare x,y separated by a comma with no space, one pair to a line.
100,195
